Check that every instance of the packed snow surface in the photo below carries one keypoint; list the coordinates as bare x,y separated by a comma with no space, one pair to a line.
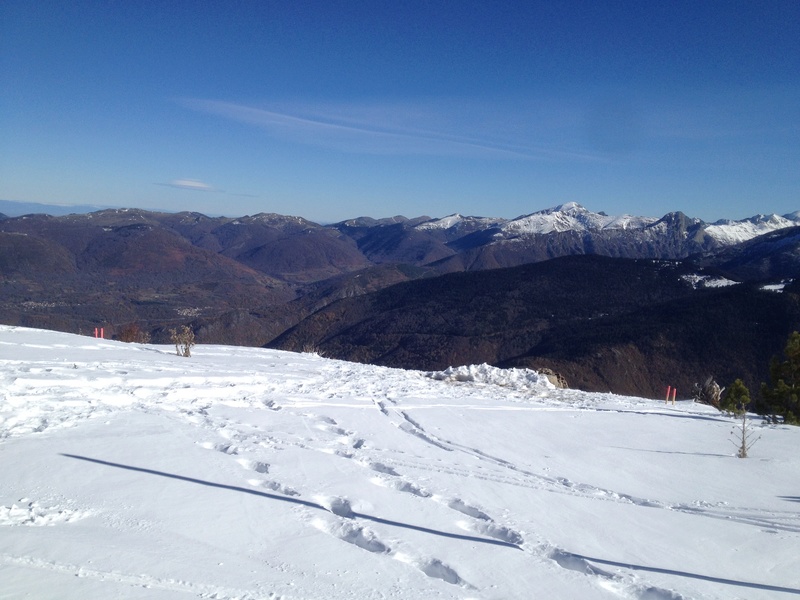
239,473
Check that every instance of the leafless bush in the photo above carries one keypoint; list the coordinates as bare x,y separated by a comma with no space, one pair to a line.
133,333
743,436
311,348
183,340
708,392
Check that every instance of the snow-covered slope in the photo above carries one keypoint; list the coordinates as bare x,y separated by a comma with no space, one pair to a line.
240,473
734,232
460,222
570,216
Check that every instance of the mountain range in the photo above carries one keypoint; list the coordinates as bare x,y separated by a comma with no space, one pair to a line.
611,303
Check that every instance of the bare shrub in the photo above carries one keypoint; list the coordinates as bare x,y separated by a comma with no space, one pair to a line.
133,333
183,340
557,379
311,348
708,392
743,436
735,403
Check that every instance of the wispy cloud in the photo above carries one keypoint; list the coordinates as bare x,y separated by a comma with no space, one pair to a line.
379,130
191,184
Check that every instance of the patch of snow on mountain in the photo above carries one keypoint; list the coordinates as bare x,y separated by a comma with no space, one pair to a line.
458,221
734,232
717,282
705,281
629,222
776,287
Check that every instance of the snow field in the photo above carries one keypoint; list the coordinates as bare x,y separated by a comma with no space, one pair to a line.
127,471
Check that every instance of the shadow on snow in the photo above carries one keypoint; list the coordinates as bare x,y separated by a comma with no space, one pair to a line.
291,500
757,586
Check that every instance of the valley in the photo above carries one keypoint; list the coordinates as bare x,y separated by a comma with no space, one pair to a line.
623,304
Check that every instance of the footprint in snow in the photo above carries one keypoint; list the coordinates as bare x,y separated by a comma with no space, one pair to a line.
365,538
498,532
580,564
466,509
379,467
349,532
338,506
333,429
254,465
224,448
435,568
274,486
401,486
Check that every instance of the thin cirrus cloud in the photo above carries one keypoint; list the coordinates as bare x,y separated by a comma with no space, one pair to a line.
373,130
191,184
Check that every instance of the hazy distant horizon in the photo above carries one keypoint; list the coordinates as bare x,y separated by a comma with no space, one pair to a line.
11,208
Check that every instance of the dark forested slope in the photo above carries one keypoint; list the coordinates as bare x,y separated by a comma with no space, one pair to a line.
629,326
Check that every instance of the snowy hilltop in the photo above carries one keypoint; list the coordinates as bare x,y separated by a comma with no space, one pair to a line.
573,217
127,471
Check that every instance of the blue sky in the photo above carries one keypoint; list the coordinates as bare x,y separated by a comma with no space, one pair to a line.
336,109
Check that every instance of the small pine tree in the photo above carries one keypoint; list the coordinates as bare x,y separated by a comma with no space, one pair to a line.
736,398
782,398
735,401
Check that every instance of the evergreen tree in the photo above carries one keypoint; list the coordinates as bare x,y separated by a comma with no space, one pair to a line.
736,398
782,398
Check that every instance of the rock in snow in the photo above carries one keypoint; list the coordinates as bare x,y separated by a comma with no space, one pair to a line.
241,473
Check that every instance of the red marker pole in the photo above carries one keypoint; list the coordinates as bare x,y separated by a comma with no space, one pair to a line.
669,389
102,333
95,332
674,393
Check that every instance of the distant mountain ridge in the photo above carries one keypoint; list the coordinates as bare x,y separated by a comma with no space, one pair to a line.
567,217
572,217
287,281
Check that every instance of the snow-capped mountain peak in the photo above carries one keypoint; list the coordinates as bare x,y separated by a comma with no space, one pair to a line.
571,216
733,232
458,221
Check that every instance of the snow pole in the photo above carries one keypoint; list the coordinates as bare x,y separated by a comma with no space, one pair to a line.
95,332
102,333
669,389
674,393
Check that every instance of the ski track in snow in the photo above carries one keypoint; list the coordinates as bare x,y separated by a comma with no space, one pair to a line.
47,395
